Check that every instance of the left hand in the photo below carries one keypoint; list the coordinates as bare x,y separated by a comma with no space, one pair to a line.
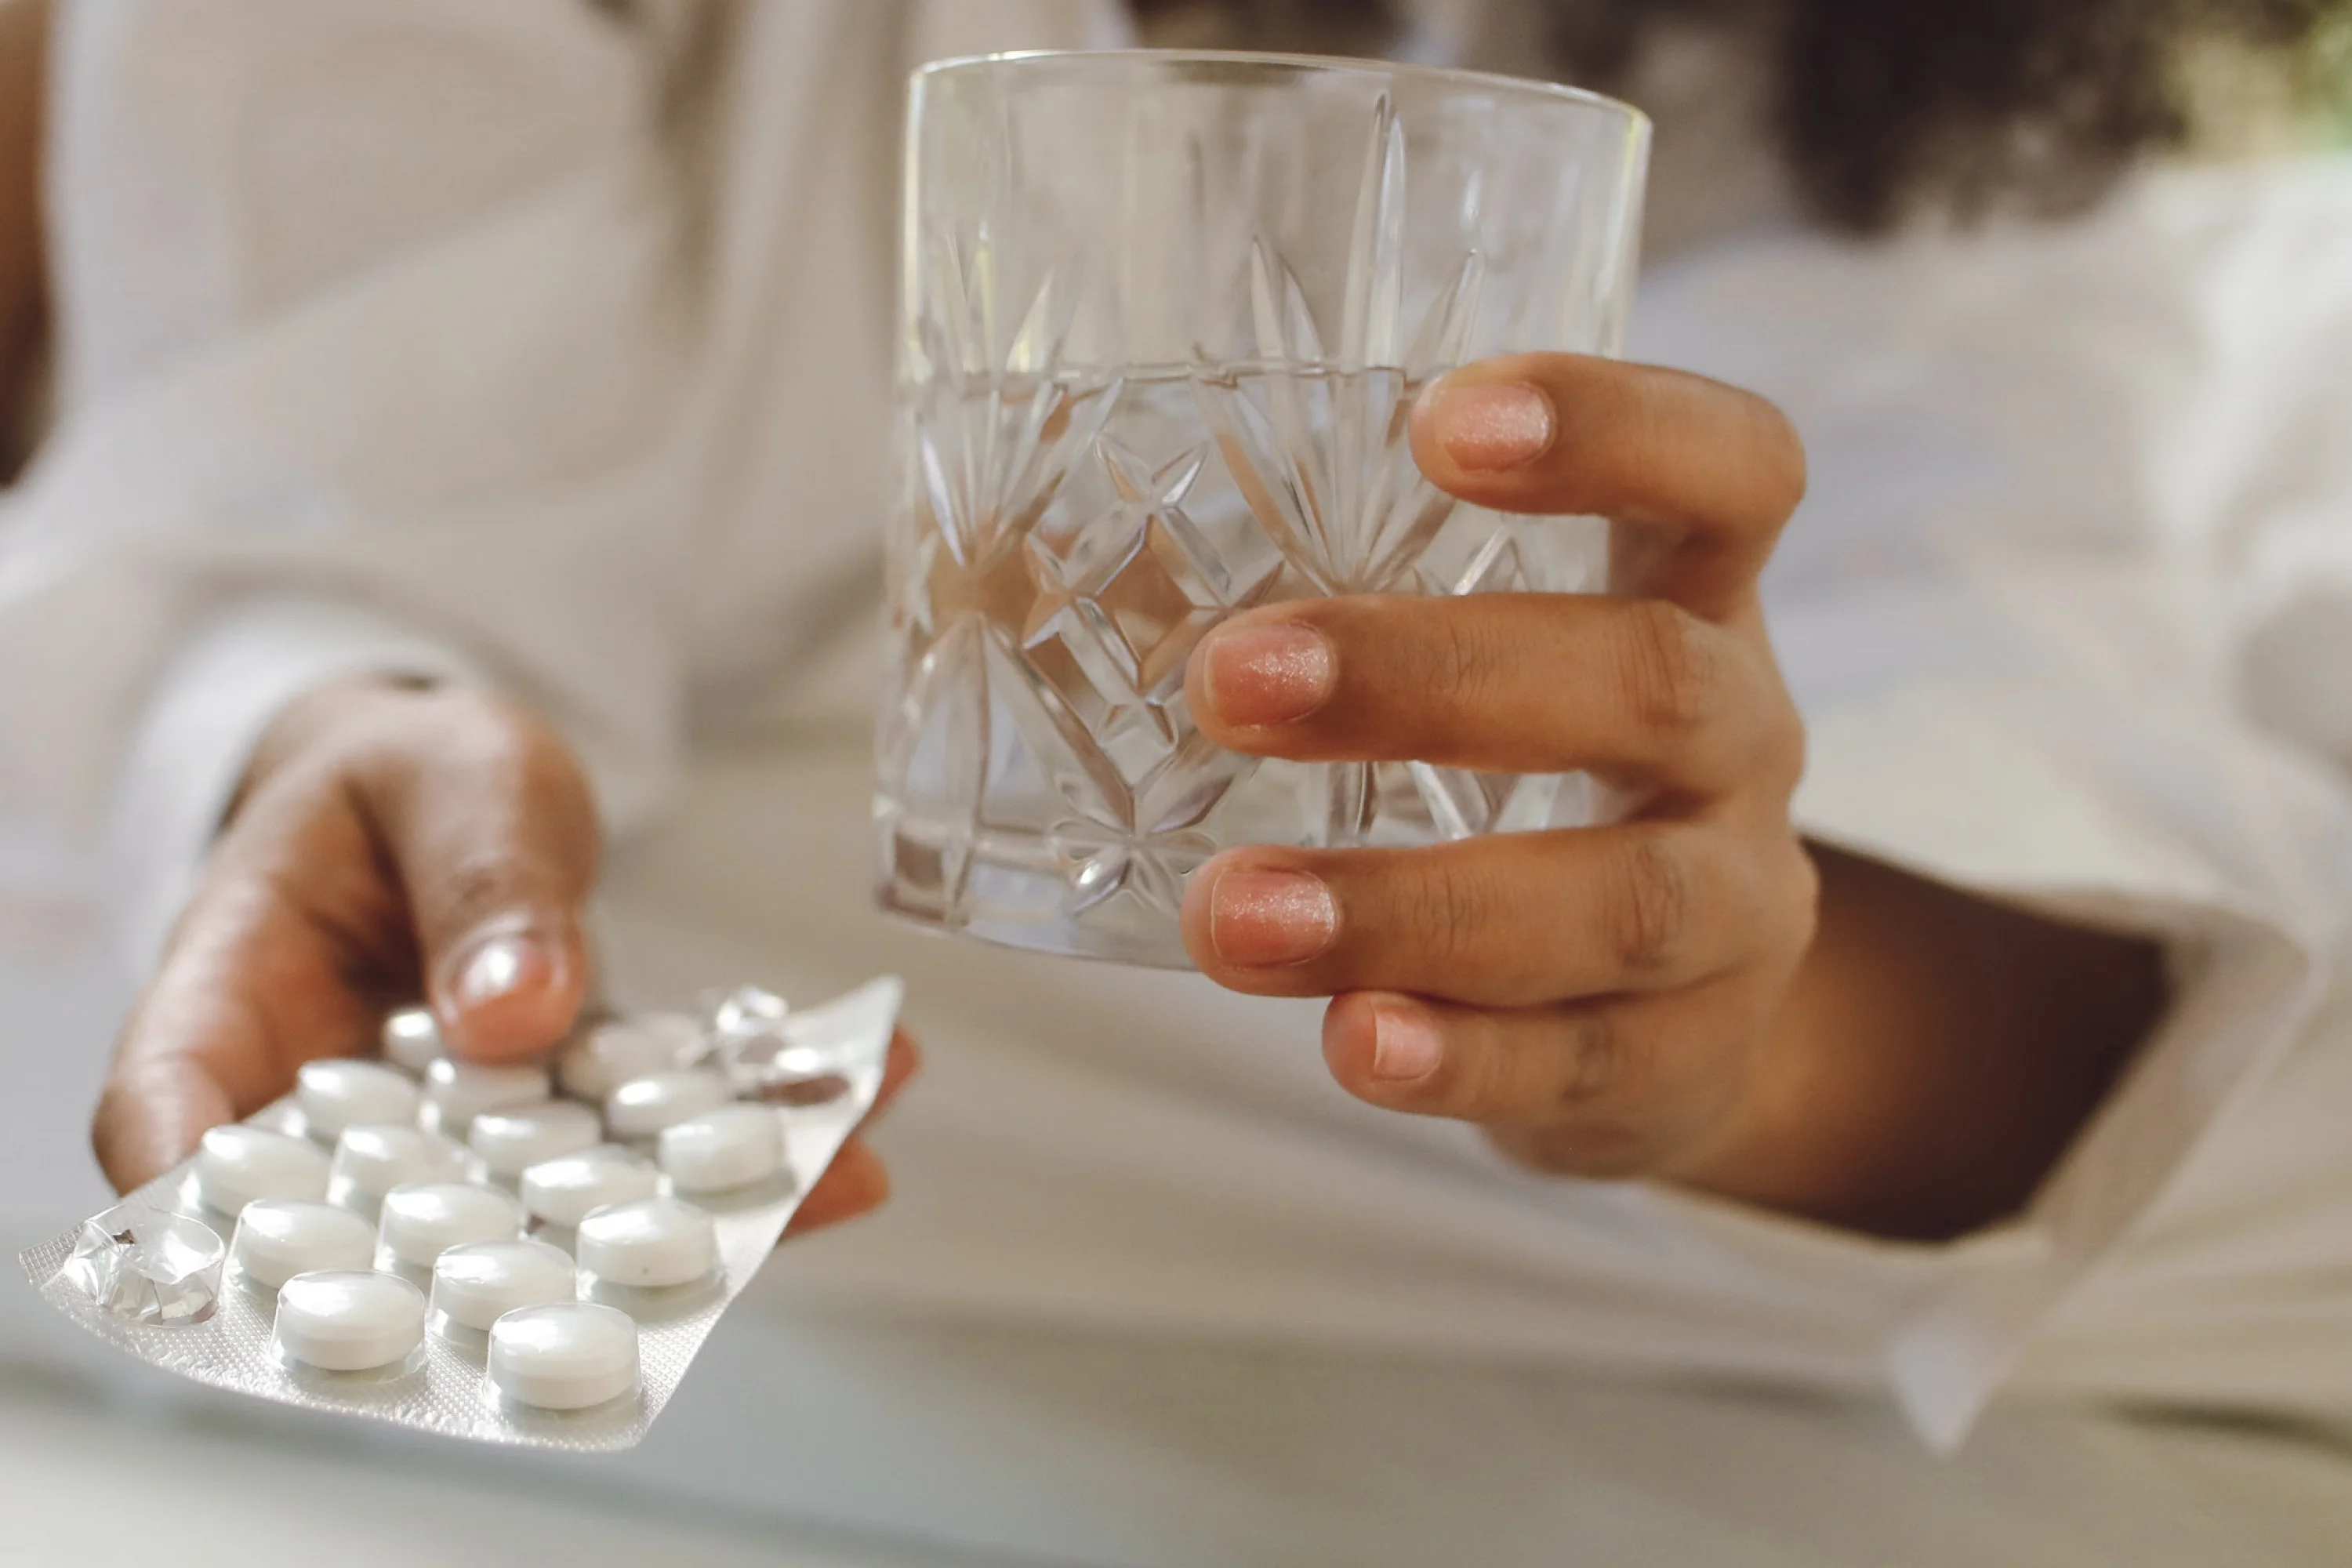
385,839
1600,999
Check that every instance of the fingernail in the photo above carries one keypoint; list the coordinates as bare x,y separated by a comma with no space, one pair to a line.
500,967
1267,674
1405,1044
1262,919
1490,427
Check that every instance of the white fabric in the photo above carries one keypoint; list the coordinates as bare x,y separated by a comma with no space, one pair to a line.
921,1438
207,715
1130,1151
554,334
2052,470
803,1439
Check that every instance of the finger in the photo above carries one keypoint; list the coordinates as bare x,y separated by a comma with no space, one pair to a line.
904,1061
176,1072
1519,683
853,1184
256,982
1606,1088
494,835
856,1181
1703,474
151,1119
1507,921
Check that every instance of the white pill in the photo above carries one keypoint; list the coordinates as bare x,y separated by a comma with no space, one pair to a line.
567,1190
651,1243
476,1284
348,1321
619,1049
278,1238
237,1164
337,1093
413,1040
455,1092
732,1146
371,1161
513,1138
643,1106
425,1219
568,1356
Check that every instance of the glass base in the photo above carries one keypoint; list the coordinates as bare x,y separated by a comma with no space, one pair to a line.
1073,890
1153,944
1051,941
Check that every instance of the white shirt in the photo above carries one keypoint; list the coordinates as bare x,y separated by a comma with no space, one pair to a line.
544,344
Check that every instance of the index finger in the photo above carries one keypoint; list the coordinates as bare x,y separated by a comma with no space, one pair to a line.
1698,477
248,993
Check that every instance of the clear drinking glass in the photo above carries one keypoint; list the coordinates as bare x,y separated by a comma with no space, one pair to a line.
1164,317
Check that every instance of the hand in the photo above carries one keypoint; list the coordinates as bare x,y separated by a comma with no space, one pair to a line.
1648,998
1598,999
387,843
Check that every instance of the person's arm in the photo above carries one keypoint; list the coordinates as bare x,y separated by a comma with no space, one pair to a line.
349,569
1935,1056
2067,911
23,45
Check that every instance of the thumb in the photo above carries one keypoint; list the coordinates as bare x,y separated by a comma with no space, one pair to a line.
490,826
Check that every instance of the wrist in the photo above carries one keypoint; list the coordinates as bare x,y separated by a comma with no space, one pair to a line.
1934,1059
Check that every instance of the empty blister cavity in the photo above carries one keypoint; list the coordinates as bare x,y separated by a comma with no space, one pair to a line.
421,1221
334,1093
770,1052
237,1164
371,1161
745,1013
643,1106
733,1146
513,1139
348,1321
476,1284
455,1092
567,1190
143,1266
573,1355
278,1238
652,1243
411,1040
619,1049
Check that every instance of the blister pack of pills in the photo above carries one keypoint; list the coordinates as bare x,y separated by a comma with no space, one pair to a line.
528,1254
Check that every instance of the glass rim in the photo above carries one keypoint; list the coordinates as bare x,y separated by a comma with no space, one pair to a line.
1560,93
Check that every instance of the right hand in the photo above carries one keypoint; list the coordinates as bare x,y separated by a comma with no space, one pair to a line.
387,843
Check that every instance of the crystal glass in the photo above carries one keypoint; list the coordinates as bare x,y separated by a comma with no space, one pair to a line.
1165,316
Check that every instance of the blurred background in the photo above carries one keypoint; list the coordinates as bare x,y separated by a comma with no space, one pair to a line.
836,1428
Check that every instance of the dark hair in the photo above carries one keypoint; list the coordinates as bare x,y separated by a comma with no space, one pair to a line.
1888,107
